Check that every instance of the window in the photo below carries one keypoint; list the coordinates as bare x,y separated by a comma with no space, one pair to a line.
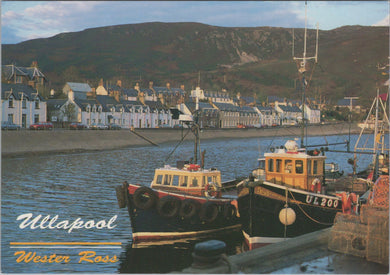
184,181
159,179
315,167
24,103
278,165
270,165
37,103
36,118
194,182
11,102
288,166
88,121
175,181
167,179
299,166
11,118
309,167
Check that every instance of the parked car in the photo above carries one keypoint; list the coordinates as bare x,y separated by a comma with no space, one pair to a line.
113,126
77,126
6,125
42,126
98,126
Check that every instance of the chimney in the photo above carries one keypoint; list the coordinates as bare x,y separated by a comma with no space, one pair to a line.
34,64
119,83
101,82
116,96
161,97
182,87
168,85
150,84
141,97
136,87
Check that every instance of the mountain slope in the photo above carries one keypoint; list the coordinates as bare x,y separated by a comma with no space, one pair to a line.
246,60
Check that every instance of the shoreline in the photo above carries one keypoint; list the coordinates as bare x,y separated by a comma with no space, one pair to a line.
60,141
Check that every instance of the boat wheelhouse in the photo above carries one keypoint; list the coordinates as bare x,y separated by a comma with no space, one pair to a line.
295,168
189,179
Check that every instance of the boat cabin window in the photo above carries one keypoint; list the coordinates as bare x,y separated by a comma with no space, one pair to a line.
270,165
167,179
315,167
175,181
278,165
262,164
288,166
299,166
184,181
309,167
159,179
194,182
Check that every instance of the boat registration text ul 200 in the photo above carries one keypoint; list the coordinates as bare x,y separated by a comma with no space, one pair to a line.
321,201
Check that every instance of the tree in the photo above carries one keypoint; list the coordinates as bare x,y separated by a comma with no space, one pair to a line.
69,111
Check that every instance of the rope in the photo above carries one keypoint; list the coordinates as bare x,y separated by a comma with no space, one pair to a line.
285,218
307,215
182,139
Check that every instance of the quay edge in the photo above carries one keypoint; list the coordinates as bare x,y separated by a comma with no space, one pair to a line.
26,142
295,251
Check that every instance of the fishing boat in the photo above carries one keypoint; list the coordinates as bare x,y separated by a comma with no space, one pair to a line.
292,199
332,171
378,113
286,196
185,201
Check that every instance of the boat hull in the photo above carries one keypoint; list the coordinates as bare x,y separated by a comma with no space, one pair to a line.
149,227
265,220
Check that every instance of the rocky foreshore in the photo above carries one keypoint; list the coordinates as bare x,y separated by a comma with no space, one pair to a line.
27,142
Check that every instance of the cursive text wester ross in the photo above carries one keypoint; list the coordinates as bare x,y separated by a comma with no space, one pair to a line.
49,222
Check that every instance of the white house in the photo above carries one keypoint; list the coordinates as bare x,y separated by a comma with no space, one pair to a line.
79,90
22,105
267,116
312,114
289,115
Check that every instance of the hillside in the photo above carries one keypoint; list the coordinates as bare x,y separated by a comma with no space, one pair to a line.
246,60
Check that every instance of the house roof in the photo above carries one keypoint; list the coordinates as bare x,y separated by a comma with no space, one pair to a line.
227,107
131,92
291,109
8,71
346,102
247,109
273,98
17,90
55,103
79,87
83,103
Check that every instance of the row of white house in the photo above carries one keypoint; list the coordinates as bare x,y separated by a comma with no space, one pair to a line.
22,105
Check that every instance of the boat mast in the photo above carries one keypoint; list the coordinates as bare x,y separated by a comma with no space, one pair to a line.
196,130
302,70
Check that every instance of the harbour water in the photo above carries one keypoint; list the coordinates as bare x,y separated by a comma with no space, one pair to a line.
82,187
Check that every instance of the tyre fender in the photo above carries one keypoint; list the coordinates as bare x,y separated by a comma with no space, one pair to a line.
189,208
209,212
145,198
168,206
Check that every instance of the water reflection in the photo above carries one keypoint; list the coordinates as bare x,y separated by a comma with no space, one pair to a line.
83,186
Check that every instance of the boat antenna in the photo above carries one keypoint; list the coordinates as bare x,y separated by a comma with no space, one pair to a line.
302,69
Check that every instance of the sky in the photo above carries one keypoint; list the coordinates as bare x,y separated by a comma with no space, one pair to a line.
25,20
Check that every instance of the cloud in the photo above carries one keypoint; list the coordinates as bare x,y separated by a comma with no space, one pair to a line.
384,22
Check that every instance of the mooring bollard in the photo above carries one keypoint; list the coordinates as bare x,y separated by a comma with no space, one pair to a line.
210,255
